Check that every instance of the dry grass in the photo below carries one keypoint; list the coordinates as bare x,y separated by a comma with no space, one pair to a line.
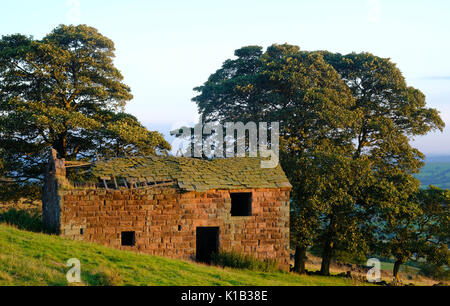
407,277
22,204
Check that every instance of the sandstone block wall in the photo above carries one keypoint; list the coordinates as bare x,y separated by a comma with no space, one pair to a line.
165,219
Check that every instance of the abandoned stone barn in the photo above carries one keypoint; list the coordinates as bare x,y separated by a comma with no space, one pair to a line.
172,206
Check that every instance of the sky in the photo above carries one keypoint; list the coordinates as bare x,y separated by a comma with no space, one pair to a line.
166,48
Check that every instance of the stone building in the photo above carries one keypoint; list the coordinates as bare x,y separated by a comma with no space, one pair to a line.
172,206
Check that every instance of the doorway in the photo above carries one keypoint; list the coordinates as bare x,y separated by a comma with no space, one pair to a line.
207,243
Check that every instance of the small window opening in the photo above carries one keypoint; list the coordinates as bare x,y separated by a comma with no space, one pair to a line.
241,204
81,231
179,227
128,238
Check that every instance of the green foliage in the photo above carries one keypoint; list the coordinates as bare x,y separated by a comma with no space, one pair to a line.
303,93
11,191
345,126
432,270
356,256
30,220
243,261
63,91
418,229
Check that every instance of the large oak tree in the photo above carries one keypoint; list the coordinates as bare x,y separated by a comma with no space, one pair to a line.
346,124
64,91
314,108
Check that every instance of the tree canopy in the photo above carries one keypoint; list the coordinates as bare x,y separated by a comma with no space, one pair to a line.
417,229
64,91
345,127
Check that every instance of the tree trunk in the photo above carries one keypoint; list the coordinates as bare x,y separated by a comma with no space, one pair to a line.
61,145
327,255
300,259
397,269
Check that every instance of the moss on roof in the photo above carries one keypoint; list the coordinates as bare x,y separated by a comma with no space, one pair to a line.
194,174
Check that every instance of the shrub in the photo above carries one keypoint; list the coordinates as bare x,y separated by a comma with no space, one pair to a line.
343,256
29,220
15,192
242,261
353,257
104,276
434,271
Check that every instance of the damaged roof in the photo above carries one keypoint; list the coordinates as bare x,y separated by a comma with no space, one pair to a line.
193,174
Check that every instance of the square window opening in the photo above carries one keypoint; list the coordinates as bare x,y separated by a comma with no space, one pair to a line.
128,238
241,204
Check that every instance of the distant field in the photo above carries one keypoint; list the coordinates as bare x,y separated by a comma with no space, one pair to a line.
436,172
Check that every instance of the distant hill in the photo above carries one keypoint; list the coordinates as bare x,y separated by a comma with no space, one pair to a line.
435,172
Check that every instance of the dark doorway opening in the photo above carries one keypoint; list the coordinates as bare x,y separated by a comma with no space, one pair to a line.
207,243
241,204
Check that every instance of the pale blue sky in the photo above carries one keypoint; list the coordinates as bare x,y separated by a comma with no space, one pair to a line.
165,48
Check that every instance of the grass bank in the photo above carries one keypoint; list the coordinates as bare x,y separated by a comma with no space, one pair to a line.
28,258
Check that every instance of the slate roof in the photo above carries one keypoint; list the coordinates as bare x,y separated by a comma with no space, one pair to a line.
194,174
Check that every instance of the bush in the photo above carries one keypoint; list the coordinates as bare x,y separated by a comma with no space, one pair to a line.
434,271
15,192
242,261
351,257
103,276
29,220
343,256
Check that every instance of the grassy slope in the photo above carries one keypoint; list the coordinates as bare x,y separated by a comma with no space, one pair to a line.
36,259
435,173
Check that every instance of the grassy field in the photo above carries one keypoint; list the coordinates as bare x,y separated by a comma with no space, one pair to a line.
28,258
435,172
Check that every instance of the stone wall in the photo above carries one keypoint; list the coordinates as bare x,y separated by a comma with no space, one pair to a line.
164,220
55,177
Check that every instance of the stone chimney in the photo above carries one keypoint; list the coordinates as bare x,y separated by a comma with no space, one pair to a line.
55,177
57,166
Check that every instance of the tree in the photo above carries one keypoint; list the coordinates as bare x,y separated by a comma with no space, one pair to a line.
418,229
393,113
349,114
63,91
313,106
331,216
